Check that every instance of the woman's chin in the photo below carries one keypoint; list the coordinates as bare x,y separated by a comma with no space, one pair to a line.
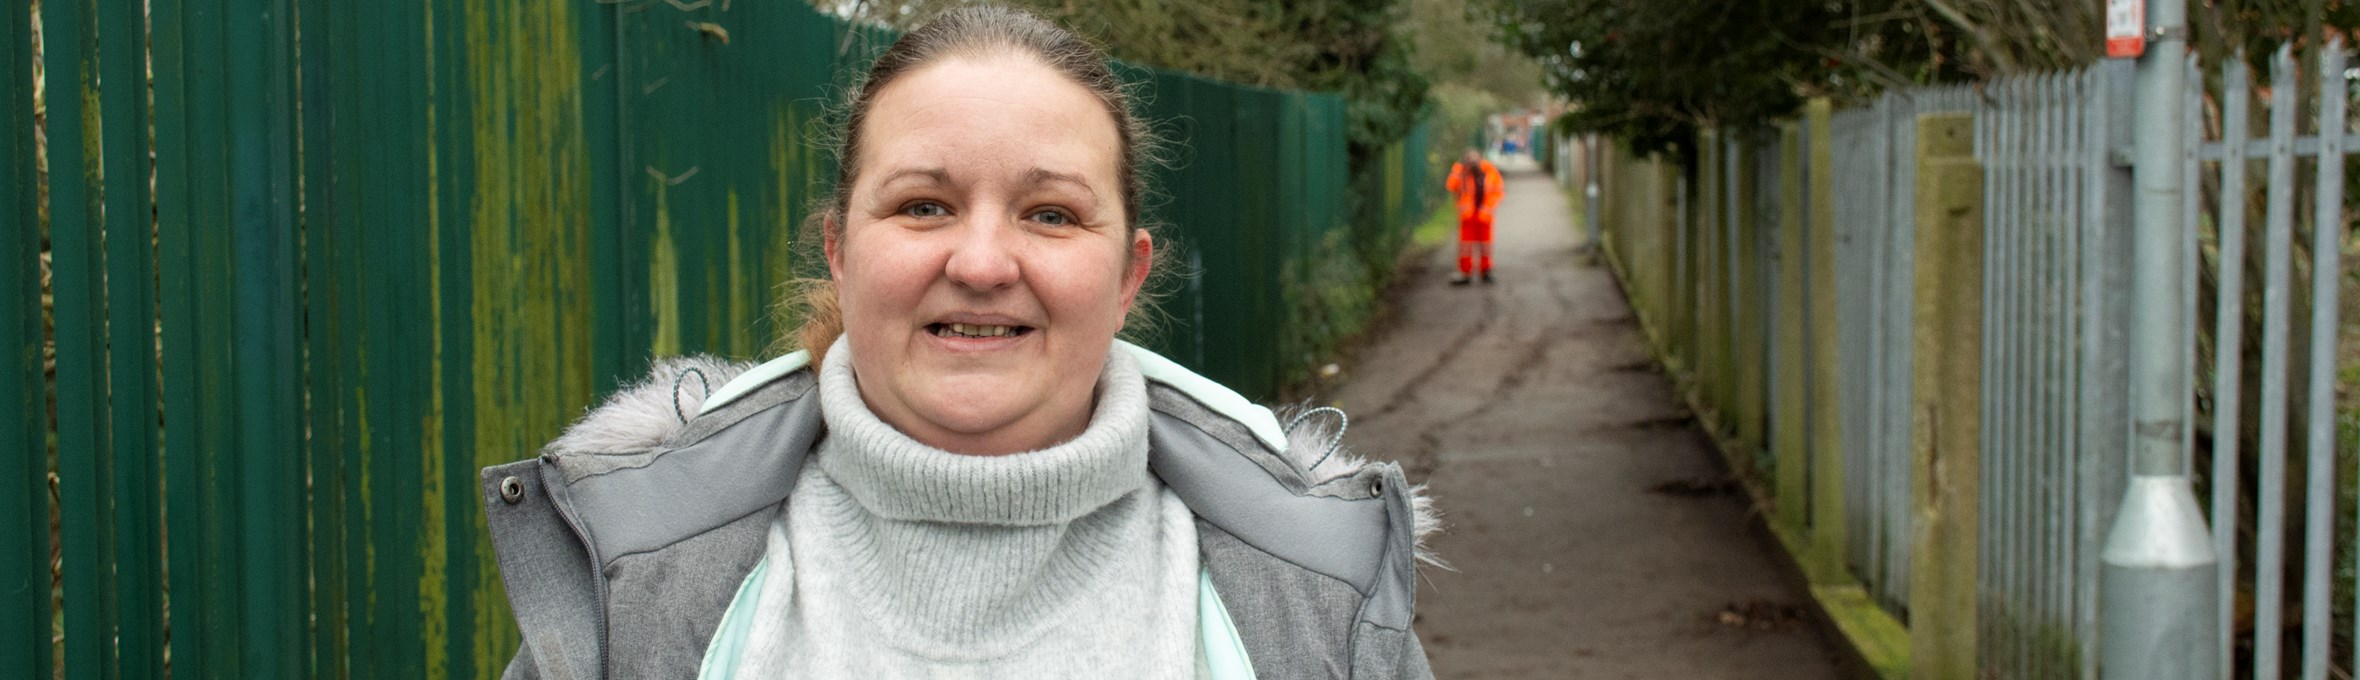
969,427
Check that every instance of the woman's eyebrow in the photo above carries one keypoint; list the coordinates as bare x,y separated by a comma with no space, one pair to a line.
1040,176
936,175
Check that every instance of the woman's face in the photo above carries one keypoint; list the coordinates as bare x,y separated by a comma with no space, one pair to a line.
985,262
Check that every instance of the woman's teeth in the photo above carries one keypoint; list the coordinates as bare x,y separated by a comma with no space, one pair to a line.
970,330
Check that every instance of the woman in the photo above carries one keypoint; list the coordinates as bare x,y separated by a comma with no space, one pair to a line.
975,478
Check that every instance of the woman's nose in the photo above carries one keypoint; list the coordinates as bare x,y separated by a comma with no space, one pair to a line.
984,257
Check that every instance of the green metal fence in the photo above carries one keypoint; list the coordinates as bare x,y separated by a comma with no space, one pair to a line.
390,243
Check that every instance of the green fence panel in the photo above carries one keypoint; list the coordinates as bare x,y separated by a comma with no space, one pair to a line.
226,235
1255,164
106,411
258,38
1209,197
332,348
131,464
24,446
371,224
720,115
399,242
1292,242
69,52
195,439
1181,336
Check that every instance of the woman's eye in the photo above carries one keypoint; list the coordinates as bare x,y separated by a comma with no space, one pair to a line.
925,209
1052,218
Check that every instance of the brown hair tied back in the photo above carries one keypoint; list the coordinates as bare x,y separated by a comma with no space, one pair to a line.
972,32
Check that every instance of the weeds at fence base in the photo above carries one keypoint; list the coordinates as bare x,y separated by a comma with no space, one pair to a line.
1436,229
1356,309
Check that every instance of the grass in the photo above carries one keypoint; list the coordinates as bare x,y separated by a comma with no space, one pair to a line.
1437,227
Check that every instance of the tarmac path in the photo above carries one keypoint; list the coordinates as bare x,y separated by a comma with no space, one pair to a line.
1593,529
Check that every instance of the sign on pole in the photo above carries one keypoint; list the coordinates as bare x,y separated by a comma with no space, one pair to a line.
2126,24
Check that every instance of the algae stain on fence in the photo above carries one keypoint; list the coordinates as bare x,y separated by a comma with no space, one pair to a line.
434,600
794,166
663,278
527,261
742,293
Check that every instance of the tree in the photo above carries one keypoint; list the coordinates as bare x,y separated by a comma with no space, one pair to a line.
1352,47
1652,72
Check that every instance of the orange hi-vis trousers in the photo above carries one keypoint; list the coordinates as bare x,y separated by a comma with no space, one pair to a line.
1474,244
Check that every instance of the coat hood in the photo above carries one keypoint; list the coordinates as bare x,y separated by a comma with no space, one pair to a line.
644,414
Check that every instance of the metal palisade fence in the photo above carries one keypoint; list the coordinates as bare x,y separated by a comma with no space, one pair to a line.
278,276
1907,320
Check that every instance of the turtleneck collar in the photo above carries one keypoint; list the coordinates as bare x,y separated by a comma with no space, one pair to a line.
896,477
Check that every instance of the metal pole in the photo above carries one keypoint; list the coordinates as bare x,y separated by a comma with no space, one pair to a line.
2156,589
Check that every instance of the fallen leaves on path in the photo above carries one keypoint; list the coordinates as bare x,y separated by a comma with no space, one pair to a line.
1759,614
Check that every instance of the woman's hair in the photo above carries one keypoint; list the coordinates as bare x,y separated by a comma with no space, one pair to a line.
973,32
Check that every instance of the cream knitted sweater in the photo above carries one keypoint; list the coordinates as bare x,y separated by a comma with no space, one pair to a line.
896,559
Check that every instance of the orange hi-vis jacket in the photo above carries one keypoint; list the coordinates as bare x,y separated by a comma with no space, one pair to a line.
1478,190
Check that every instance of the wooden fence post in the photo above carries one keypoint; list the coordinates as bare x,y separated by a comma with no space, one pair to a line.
1706,256
1665,214
1790,446
1946,386
1752,299
1826,428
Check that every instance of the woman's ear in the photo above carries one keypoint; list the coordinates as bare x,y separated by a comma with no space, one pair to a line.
831,234
1142,263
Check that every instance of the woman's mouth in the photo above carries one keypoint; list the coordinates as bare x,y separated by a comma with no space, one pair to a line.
975,330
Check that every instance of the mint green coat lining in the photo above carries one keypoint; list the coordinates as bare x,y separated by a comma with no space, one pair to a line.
1217,639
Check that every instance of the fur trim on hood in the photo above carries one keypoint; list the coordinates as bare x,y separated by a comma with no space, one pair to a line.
1315,445
640,416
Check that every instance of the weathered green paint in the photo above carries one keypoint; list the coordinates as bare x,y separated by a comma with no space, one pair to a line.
261,371
175,245
328,647
226,262
24,447
520,302
77,266
130,466
663,281
1947,383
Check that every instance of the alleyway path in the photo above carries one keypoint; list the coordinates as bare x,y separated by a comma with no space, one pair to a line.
1591,533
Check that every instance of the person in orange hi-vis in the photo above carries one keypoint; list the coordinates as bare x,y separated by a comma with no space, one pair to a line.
1476,182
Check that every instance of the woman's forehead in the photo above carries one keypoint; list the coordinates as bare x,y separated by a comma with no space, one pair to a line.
1009,111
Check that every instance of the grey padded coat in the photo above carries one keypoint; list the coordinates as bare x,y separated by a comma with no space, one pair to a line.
623,543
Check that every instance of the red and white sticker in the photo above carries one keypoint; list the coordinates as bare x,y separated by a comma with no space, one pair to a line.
2126,26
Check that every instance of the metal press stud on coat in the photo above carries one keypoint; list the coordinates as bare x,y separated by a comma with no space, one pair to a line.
512,490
